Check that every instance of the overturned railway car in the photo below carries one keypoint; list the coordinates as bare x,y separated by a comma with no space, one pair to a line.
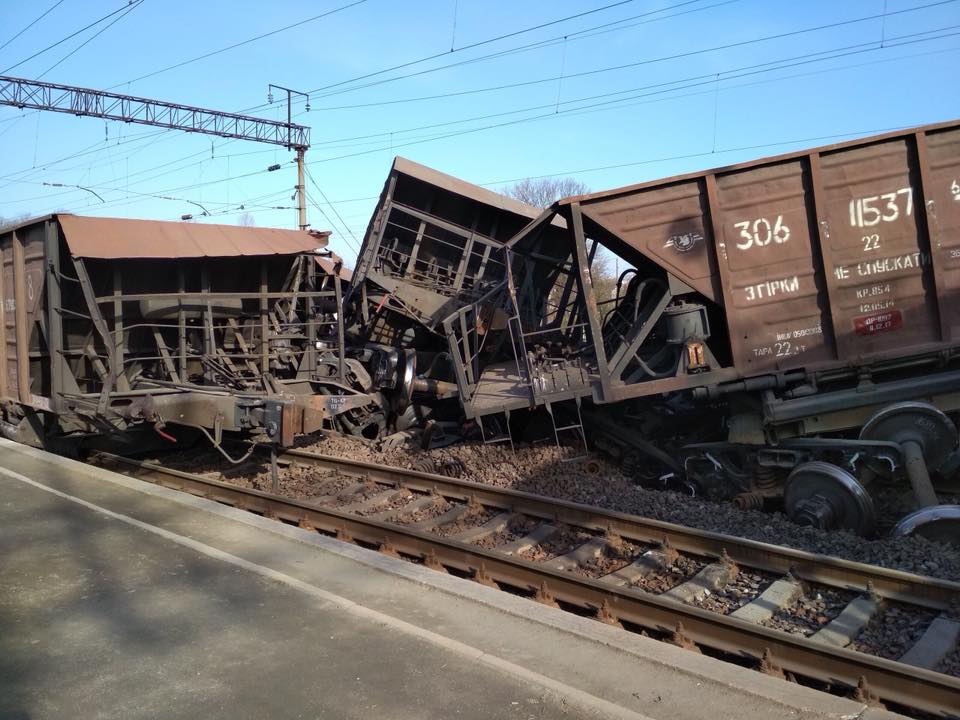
434,245
785,329
130,333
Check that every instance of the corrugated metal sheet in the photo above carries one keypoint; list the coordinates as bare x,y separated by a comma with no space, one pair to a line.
116,238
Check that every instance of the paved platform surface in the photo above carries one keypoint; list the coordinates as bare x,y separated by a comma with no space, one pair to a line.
120,599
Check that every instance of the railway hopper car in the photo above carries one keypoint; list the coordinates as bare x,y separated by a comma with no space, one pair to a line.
434,244
130,332
786,329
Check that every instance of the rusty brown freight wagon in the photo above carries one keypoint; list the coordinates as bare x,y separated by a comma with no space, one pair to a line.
810,302
434,244
126,332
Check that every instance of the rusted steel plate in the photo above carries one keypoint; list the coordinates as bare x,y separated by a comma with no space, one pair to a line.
433,244
114,238
820,258
8,331
668,225
458,187
773,282
943,216
3,325
23,288
881,281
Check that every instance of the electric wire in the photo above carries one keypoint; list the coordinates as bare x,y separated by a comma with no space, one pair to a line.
526,119
480,43
35,21
664,58
103,187
133,6
572,35
355,244
518,32
554,114
68,37
241,43
168,132
143,180
160,194
540,44
326,217
780,64
203,152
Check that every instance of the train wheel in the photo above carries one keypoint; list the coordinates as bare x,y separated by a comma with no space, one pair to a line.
825,496
916,422
926,437
938,522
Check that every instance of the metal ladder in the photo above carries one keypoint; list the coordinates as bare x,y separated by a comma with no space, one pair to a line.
577,426
502,437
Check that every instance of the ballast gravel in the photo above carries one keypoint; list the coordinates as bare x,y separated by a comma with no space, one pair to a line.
548,470
893,630
811,612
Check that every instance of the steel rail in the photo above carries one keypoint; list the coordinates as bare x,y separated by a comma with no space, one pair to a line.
746,642
844,574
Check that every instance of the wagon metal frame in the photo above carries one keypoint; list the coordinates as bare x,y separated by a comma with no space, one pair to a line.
113,325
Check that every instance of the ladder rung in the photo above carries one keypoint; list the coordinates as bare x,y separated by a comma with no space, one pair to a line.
569,427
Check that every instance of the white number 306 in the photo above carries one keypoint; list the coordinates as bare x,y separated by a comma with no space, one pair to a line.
759,232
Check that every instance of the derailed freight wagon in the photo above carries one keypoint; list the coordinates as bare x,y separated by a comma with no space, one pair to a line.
124,333
434,244
785,328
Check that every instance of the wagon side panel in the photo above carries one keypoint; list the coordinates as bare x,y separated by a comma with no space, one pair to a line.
942,190
877,250
777,305
8,349
667,224
23,289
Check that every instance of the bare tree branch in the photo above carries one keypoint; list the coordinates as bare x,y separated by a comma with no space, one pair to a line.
543,192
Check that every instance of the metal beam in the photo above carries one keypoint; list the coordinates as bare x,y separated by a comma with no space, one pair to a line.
575,223
21,317
36,95
102,329
3,331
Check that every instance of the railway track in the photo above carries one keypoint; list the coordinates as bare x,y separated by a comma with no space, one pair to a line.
560,553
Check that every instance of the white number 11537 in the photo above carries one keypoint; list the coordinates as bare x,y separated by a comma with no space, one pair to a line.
870,211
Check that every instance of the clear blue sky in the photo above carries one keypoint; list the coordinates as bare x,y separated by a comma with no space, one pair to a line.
682,102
